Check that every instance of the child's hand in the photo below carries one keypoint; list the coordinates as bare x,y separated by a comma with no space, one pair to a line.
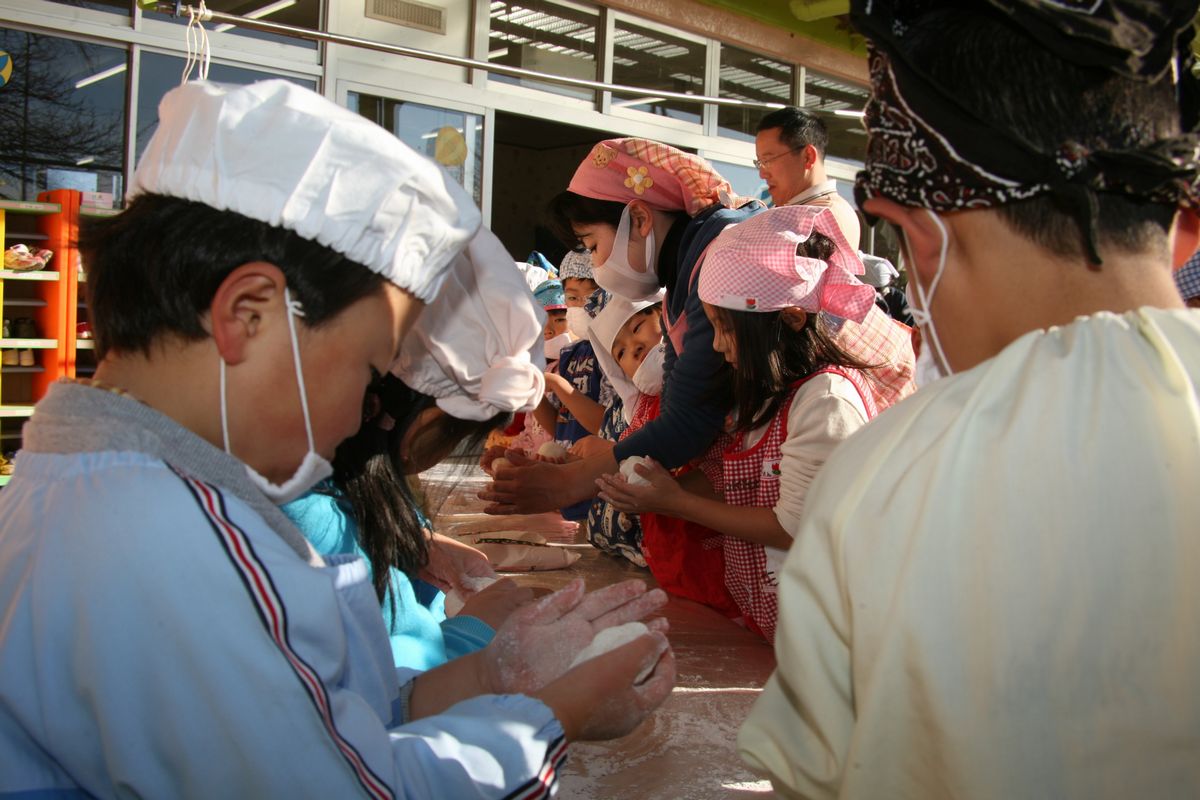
557,383
599,700
661,496
495,604
539,641
450,560
590,446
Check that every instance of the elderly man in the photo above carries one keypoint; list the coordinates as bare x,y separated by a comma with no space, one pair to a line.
993,588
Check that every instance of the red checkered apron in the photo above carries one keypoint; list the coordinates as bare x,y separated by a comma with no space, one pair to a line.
685,558
751,478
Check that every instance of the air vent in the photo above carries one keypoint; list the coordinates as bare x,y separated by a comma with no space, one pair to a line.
409,14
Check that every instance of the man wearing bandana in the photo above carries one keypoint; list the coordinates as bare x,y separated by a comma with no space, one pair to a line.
993,589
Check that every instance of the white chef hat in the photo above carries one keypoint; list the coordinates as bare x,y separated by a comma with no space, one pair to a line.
477,347
284,155
602,332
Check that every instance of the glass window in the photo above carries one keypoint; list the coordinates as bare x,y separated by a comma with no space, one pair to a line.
160,73
843,103
646,58
115,6
545,37
62,110
454,139
749,76
300,13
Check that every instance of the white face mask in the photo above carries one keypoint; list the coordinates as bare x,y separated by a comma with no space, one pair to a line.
313,469
931,345
578,321
617,276
648,378
554,346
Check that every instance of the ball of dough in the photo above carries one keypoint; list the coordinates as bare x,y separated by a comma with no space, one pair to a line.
500,462
552,450
612,638
627,469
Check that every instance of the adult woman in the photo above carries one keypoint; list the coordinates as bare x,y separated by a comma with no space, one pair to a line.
646,211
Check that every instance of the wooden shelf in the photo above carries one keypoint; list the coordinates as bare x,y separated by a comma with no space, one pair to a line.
12,369
27,207
85,344
30,344
33,275
29,237
14,412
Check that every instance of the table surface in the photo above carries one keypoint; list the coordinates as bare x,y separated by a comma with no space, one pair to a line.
686,750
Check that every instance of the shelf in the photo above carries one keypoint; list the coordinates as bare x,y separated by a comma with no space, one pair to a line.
29,237
12,412
85,344
11,369
25,207
24,301
93,211
33,275
30,344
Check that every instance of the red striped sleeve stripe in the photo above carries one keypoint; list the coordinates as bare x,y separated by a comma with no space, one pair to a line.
271,610
543,784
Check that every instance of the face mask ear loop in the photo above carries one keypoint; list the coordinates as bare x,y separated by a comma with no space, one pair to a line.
651,267
224,410
922,316
294,309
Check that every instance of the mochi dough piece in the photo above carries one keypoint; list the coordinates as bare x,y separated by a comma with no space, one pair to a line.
552,450
612,638
630,475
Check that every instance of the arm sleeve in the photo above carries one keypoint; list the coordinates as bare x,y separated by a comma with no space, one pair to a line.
824,413
690,417
465,634
798,732
210,661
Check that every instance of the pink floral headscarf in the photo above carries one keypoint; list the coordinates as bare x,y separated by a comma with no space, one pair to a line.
668,179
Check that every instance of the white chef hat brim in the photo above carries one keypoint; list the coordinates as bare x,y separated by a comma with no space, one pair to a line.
284,155
477,348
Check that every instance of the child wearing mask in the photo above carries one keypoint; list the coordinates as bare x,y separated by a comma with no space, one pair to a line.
367,507
684,558
167,631
781,292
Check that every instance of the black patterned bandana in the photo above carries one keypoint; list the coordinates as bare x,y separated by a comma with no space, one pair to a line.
926,150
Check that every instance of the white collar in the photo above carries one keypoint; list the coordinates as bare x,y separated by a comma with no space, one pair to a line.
813,192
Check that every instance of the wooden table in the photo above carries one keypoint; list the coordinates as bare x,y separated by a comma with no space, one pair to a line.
686,750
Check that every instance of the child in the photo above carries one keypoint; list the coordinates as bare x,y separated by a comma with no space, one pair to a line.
684,558
549,295
772,287
367,508
579,283
167,631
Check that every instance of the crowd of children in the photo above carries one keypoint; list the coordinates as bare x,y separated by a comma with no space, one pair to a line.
982,590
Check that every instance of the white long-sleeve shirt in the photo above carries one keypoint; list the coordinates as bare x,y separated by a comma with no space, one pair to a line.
824,412
160,636
994,591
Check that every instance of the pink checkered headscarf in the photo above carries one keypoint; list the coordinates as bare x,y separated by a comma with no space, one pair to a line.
753,266
639,169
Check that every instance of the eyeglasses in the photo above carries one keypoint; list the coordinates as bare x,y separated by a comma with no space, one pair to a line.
760,164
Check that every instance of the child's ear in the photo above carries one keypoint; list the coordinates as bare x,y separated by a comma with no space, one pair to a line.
795,318
641,218
241,306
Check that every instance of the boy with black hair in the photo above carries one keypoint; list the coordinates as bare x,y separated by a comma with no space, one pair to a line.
992,591
166,631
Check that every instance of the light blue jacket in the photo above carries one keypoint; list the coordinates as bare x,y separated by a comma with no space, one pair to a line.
422,637
166,632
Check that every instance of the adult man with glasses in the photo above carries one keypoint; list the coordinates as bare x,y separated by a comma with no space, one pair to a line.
790,144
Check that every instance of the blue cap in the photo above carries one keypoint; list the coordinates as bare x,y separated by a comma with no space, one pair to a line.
549,295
